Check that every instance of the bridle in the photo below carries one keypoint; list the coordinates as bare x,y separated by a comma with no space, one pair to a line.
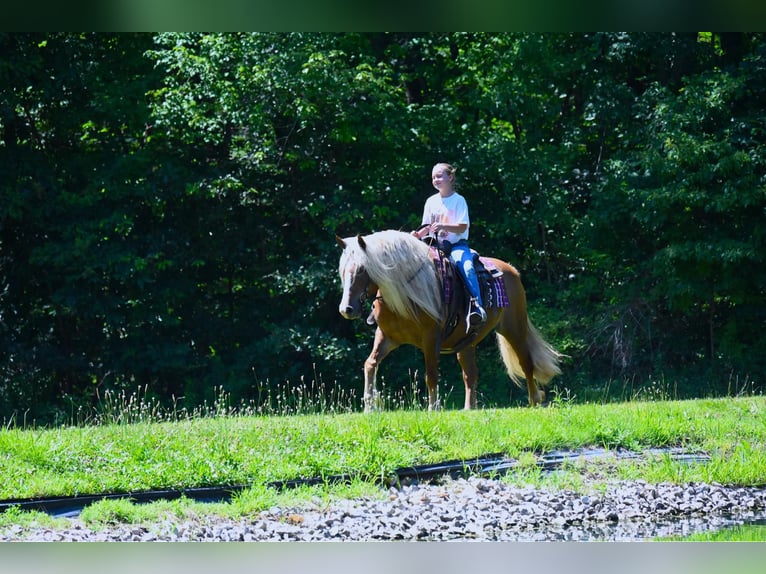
368,289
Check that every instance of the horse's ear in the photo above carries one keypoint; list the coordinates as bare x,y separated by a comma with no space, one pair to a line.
340,241
362,244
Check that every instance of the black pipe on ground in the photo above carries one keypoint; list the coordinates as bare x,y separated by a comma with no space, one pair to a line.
487,465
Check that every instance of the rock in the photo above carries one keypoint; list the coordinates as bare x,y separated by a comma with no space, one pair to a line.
471,509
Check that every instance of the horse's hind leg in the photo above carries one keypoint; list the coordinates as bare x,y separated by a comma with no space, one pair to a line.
381,347
467,360
535,394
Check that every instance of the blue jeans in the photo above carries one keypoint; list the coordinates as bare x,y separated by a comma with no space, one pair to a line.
462,256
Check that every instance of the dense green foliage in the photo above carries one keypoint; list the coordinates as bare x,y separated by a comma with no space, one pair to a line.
168,204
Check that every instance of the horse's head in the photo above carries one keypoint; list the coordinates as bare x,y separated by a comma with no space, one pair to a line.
356,282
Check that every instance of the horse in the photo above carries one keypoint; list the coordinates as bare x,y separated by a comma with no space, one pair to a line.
398,273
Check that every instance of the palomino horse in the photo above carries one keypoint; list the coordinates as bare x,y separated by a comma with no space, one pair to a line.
397,272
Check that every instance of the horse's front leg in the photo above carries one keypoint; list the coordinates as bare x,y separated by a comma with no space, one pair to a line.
467,360
381,347
431,356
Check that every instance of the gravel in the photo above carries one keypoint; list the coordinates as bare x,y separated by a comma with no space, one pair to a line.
463,509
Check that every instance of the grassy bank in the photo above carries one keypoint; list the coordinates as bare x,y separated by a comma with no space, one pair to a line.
256,450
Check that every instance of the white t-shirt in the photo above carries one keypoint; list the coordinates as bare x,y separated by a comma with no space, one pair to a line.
451,210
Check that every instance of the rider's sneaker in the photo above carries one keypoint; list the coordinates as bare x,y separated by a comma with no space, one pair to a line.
476,315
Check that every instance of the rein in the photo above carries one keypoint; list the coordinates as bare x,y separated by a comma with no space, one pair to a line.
365,295
417,271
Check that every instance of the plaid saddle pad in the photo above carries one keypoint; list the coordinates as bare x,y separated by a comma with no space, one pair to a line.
490,278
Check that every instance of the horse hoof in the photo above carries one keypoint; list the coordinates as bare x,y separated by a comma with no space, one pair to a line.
538,399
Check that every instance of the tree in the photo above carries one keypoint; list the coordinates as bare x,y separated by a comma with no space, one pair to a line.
168,202
690,190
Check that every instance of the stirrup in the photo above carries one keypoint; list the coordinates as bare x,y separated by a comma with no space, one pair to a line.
476,315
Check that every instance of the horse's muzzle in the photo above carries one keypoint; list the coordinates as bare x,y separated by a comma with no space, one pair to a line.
349,312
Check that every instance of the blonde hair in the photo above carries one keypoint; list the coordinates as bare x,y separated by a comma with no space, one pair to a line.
401,266
449,168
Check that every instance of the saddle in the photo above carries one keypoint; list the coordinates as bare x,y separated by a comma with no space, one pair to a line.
456,296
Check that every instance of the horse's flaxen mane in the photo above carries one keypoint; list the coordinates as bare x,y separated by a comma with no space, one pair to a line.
401,266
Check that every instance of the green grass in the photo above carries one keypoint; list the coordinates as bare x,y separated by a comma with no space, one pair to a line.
748,533
132,453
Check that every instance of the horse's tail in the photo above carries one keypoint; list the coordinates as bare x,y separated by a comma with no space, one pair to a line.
545,359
